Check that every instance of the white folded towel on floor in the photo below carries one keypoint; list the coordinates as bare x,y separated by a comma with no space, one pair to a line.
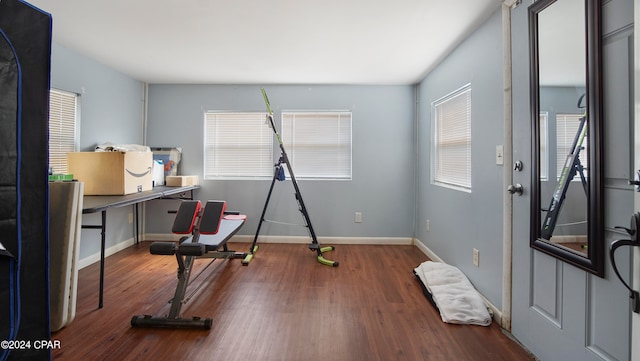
453,294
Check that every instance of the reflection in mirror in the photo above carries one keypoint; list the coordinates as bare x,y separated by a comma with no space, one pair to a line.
565,80
562,70
564,183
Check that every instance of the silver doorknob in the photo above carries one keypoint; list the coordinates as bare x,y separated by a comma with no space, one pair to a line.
515,189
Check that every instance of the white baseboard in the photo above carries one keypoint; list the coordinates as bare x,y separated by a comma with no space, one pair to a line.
91,259
298,239
427,251
497,314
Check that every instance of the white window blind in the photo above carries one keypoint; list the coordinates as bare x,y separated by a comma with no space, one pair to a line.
566,130
63,108
318,144
451,151
237,146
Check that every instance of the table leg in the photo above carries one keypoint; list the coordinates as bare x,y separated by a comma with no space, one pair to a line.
103,233
136,227
102,246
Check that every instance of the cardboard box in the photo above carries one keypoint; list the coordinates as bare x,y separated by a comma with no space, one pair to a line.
181,180
112,173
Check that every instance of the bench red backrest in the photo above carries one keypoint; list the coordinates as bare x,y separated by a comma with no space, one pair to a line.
212,216
186,217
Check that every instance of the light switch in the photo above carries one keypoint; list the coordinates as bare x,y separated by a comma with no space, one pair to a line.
499,154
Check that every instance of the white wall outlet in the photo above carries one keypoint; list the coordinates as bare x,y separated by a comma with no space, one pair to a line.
358,217
476,257
428,225
130,218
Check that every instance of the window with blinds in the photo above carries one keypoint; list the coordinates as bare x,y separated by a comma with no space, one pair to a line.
451,150
63,114
318,143
566,130
237,145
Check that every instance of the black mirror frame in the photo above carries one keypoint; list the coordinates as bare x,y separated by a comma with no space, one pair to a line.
594,262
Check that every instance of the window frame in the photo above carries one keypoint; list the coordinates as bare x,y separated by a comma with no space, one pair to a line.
338,160
58,160
264,137
461,181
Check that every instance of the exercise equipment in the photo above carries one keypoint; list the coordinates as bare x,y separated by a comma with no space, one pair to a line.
208,230
572,166
278,174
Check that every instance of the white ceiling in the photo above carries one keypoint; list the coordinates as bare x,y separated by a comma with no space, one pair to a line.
267,42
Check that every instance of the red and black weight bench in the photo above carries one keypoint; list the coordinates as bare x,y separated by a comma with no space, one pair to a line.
209,229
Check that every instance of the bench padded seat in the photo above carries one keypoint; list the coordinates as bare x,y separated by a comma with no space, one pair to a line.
227,228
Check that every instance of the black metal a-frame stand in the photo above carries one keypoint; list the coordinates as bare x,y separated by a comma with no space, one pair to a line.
278,174
572,166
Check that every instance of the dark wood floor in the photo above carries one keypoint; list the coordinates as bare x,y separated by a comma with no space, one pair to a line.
283,306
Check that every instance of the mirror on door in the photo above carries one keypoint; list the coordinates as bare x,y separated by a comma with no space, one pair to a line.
566,212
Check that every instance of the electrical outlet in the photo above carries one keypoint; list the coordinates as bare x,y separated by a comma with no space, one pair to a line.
358,217
428,225
476,257
130,218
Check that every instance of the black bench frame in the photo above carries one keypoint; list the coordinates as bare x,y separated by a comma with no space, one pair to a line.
210,228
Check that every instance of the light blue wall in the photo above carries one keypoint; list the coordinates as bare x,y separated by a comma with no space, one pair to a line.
461,221
112,103
382,187
383,154
111,110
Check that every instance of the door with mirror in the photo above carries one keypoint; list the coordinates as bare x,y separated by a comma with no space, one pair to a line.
561,304
566,120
